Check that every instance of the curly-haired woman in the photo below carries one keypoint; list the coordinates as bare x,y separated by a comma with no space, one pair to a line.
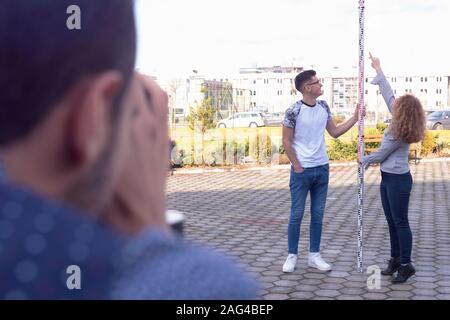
407,126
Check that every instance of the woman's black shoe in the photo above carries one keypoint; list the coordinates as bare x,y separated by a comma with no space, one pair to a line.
404,273
393,266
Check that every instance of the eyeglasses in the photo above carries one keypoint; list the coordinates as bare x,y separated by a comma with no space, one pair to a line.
312,83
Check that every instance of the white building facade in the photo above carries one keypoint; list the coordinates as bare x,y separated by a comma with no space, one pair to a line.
272,89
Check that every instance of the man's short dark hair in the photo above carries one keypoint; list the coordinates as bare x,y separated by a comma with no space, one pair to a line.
41,59
303,77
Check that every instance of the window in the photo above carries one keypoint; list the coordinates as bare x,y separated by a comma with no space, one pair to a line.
254,81
410,79
421,79
367,92
254,93
367,79
426,79
395,91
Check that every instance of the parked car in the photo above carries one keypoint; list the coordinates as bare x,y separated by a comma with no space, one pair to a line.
243,119
275,118
438,120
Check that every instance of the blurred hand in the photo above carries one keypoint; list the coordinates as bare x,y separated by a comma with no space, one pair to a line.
139,199
375,63
298,168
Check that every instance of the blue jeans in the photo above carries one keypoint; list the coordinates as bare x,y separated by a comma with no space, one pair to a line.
395,190
315,181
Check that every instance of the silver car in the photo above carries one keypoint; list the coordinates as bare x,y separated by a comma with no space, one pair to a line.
243,119
438,120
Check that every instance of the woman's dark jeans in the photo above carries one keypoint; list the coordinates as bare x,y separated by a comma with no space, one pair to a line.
395,190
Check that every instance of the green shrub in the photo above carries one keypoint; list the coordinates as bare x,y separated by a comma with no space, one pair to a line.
381,126
339,150
429,143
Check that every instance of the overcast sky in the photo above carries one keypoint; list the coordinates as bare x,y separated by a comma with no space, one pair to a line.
219,37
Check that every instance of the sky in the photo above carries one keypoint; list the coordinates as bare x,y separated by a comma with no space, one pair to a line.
216,38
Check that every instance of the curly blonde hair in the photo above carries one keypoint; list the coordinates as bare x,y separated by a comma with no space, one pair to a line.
408,119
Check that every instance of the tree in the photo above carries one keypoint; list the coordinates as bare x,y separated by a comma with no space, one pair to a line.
202,118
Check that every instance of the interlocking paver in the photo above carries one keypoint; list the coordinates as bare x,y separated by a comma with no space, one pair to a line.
245,214
375,296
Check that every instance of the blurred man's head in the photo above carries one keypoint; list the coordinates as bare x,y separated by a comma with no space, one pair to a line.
63,94
308,84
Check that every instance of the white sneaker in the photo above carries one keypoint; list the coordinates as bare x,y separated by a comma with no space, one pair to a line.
316,261
291,261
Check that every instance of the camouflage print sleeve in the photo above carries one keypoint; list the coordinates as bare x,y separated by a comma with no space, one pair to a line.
290,116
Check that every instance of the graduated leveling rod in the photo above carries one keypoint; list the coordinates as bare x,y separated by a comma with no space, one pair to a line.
360,137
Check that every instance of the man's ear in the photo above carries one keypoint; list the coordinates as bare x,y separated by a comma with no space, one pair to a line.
90,120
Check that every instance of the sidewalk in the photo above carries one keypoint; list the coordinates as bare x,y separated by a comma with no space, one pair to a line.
245,214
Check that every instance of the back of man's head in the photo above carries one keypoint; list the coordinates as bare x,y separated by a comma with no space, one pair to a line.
42,57
302,78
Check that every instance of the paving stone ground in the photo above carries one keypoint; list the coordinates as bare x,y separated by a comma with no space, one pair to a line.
245,214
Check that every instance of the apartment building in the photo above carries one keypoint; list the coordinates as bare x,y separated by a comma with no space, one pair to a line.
272,89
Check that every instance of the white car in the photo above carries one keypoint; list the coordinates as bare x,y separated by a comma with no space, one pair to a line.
243,119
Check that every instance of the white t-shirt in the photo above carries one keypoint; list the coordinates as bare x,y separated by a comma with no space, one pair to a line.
309,132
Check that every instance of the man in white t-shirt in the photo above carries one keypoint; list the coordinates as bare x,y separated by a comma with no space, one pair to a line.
304,141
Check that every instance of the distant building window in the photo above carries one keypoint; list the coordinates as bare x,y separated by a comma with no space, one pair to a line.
406,80
254,81
367,92
395,91
410,79
421,79
367,79
426,79
254,93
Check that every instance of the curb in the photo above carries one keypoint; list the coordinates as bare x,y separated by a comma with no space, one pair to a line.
278,167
